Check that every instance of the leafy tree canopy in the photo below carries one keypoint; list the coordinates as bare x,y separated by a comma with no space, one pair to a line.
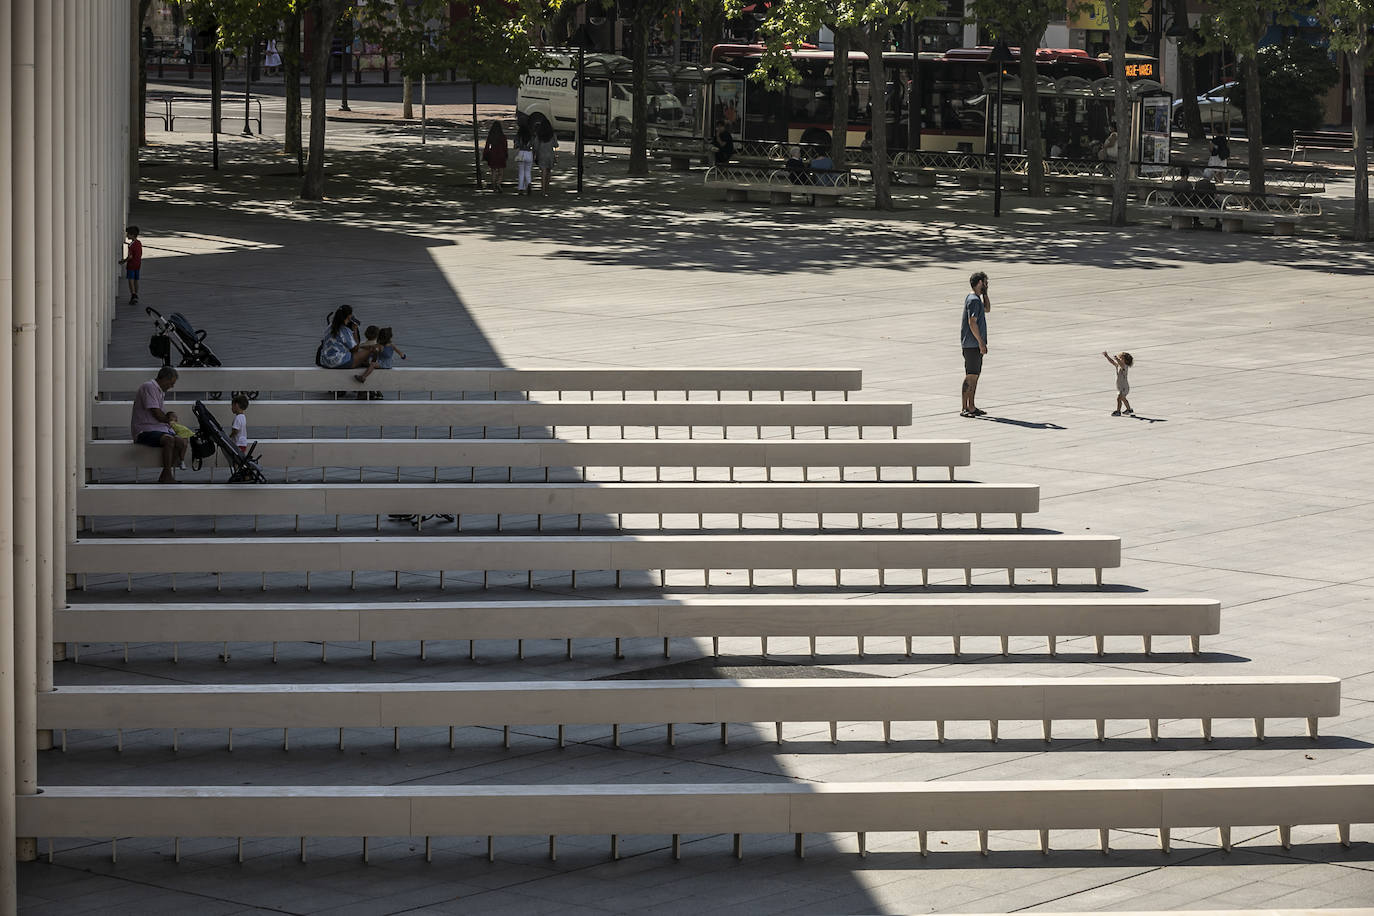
1294,79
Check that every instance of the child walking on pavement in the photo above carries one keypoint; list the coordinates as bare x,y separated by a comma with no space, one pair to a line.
133,263
1123,361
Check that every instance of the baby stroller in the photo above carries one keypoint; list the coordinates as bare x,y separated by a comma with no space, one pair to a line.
211,436
176,331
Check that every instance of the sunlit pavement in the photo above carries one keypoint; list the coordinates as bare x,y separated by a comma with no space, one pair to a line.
1247,475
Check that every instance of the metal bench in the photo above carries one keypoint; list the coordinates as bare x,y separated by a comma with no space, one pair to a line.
471,454
1343,140
366,415
1233,211
705,552
497,379
679,617
681,151
1162,805
226,100
737,181
568,499
616,703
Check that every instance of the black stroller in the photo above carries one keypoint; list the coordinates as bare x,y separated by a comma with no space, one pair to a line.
211,436
176,331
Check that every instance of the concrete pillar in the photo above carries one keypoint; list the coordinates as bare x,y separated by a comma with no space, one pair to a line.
76,444
22,370
9,892
89,264
54,357
44,422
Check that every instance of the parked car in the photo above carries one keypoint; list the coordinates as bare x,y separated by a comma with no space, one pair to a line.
1216,107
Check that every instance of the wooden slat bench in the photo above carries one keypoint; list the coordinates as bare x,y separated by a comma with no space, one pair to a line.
541,499
1341,140
266,379
558,453
775,808
617,703
516,414
576,553
687,616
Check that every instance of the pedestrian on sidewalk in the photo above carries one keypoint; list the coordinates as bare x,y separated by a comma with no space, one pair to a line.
974,339
494,154
544,146
272,59
524,159
1123,361
133,263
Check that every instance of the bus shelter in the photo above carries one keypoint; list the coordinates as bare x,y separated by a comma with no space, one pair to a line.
1078,118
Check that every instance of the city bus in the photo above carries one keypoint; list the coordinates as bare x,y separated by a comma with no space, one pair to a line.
952,86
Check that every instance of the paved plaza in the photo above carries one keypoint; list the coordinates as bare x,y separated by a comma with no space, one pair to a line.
1247,475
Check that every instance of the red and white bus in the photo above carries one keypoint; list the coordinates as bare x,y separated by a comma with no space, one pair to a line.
950,85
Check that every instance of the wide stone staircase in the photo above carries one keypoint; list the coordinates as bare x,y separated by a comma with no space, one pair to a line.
632,534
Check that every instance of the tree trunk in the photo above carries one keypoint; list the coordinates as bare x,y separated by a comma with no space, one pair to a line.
407,98
877,97
1359,60
1254,132
1120,21
1030,118
1187,76
639,110
321,41
291,75
839,128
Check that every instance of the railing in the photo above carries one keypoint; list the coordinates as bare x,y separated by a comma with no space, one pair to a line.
1292,180
1277,205
224,115
778,178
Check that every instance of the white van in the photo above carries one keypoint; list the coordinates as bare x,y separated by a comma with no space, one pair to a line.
551,95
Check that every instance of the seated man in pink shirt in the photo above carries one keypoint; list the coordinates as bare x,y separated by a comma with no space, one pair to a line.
149,424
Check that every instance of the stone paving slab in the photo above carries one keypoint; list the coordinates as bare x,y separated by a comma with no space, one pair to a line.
1253,485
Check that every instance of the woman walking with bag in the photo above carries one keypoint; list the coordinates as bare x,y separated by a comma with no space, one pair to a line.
494,154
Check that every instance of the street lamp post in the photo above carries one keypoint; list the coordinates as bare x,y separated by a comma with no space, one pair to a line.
1001,56
347,66
581,104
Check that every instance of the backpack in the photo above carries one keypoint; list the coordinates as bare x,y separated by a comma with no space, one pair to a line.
160,346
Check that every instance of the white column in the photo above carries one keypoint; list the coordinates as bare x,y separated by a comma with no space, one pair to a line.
76,443
22,358
44,422
85,144
55,356
9,892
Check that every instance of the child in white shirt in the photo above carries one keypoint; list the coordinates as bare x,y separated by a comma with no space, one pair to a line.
239,430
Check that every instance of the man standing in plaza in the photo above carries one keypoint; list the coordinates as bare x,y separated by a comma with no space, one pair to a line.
149,425
974,337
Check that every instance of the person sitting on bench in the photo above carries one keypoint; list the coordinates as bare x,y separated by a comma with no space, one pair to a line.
151,426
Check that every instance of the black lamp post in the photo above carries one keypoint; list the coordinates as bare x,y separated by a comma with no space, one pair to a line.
1001,56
